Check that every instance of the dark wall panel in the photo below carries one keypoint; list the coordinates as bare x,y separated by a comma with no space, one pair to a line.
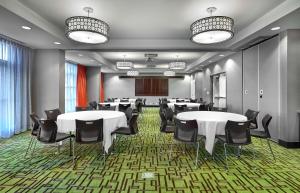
151,87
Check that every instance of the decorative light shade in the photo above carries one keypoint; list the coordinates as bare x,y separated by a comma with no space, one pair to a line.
177,65
213,29
124,65
169,73
132,73
87,29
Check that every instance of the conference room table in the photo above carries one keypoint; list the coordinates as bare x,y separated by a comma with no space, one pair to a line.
210,124
172,105
116,104
111,121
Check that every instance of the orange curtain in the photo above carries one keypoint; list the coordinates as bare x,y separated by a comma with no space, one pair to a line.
81,86
102,88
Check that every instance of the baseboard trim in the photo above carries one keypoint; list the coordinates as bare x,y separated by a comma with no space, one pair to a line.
289,144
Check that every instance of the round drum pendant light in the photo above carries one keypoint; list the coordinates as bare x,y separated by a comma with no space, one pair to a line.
213,29
87,29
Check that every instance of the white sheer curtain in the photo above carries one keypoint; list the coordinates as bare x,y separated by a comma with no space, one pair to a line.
15,102
70,86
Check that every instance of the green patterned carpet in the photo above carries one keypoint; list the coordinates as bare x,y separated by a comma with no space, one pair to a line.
125,171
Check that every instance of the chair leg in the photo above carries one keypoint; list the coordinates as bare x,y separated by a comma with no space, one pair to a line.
33,150
170,153
268,140
225,153
103,149
29,146
71,144
73,153
197,154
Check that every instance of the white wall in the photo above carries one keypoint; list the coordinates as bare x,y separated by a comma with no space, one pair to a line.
48,81
115,87
232,65
93,75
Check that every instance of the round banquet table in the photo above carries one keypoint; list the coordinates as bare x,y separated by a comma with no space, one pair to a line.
116,104
129,100
174,100
111,121
210,124
172,105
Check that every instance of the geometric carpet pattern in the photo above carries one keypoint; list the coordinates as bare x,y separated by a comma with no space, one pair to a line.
141,164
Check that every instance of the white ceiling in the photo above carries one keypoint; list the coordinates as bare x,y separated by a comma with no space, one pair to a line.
142,25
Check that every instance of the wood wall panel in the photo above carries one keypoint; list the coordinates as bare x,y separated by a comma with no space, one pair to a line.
153,86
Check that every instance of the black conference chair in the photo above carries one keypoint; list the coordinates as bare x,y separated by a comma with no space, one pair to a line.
203,107
265,134
179,100
138,105
220,109
252,116
93,105
123,107
193,100
124,100
131,129
34,132
179,108
52,114
128,113
237,134
89,132
190,109
167,121
48,134
83,109
107,108
187,132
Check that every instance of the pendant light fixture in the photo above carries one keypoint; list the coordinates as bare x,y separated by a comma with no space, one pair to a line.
87,29
177,65
124,65
213,29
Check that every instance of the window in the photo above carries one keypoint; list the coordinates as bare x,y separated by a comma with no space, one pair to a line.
70,86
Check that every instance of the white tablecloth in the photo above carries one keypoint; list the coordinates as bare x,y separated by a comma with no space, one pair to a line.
174,100
116,104
130,100
111,121
172,105
211,123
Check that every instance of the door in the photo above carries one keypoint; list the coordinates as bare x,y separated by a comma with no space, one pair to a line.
250,78
269,83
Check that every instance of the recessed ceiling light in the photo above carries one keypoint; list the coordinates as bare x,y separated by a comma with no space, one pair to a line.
80,55
91,60
221,55
275,28
210,61
57,43
26,27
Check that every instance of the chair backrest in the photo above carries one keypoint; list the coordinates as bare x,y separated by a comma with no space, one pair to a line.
169,114
48,131
203,107
179,108
237,133
190,109
52,114
139,105
220,109
36,125
210,106
124,100
252,116
89,131
123,107
144,101
105,108
186,131
265,123
128,113
163,119
93,105
193,100
83,108
179,100
133,126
